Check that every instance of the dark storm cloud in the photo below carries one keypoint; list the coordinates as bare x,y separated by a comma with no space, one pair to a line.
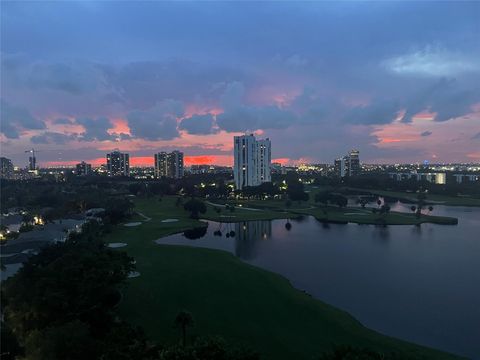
156,123
49,137
378,112
426,133
448,98
143,84
240,117
199,124
95,129
14,119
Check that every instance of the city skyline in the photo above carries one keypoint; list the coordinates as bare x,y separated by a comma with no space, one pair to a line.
400,94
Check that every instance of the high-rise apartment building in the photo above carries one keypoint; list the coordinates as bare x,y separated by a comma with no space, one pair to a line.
32,163
169,164
340,167
348,165
354,163
6,168
118,164
252,161
83,169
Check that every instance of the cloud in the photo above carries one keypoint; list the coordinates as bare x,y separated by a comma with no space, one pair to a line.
63,121
432,61
199,124
52,138
74,79
476,136
158,122
378,112
95,129
238,117
447,98
426,133
14,119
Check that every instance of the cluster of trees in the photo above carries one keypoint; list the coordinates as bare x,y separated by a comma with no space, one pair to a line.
61,303
259,192
327,197
195,207
57,200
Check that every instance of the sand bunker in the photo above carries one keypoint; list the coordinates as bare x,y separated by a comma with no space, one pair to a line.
132,223
116,245
169,220
133,274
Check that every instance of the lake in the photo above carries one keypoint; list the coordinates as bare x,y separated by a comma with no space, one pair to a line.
417,283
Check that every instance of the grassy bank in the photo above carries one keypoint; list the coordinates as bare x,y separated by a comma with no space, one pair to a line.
366,216
432,198
335,214
230,298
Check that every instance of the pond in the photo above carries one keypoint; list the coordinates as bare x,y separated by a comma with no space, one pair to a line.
417,283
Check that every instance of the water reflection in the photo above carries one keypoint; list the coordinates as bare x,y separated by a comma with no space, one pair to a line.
382,232
248,234
195,233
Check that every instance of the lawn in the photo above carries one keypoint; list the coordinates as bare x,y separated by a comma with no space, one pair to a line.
276,208
227,297
366,216
432,198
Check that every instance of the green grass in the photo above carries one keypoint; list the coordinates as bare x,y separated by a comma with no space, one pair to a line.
431,198
365,216
227,297
277,209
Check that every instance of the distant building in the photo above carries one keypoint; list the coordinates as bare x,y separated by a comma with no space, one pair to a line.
210,169
435,178
32,163
252,161
462,178
118,164
83,169
340,167
348,165
6,168
169,164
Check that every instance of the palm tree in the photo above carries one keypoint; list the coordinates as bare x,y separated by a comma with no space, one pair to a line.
183,320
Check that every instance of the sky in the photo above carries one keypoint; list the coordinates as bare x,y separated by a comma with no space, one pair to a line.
399,81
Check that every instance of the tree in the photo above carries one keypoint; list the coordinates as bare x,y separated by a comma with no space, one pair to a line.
77,279
69,341
184,320
195,207
322,197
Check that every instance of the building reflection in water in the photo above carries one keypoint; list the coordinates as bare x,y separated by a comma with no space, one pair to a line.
248,233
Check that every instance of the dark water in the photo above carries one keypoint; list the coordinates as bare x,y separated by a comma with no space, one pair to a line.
421,284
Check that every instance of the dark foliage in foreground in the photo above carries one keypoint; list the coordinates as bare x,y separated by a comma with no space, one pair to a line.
210,348
60,305
351,353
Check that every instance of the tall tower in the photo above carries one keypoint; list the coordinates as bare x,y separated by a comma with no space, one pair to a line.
169,164
252,161
118,164
354,163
